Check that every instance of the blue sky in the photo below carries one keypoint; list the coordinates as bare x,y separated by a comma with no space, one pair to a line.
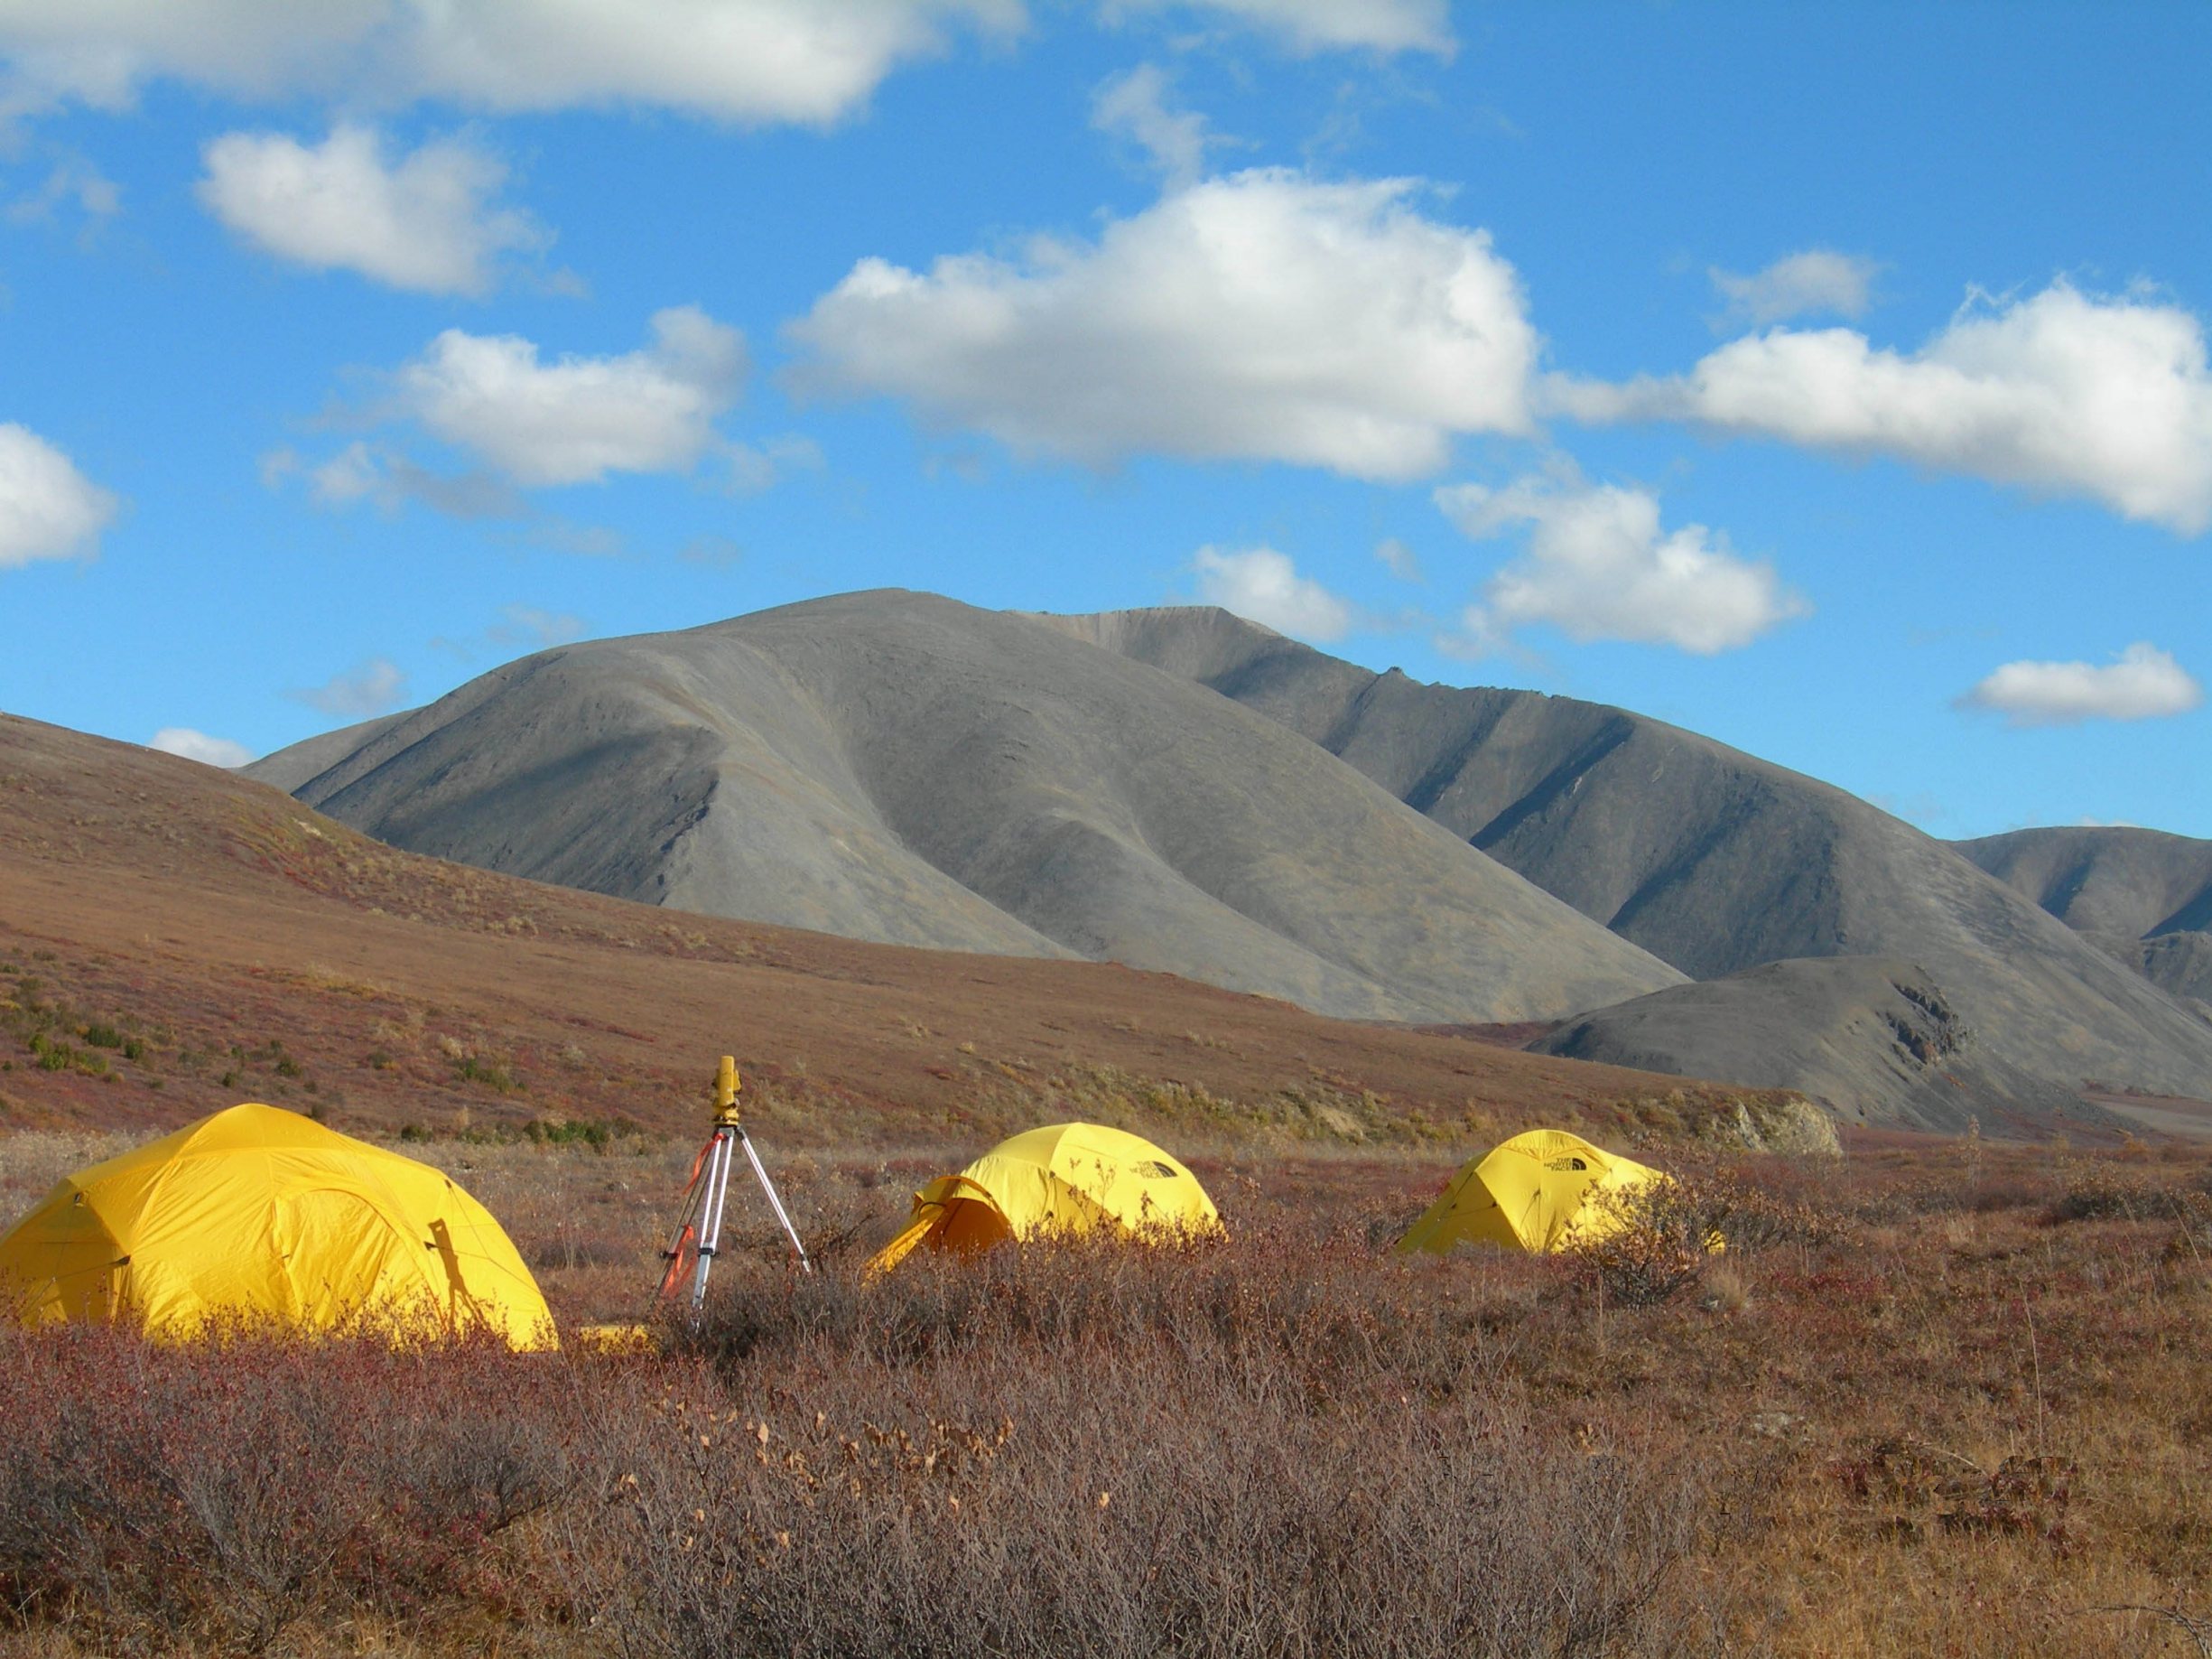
1829,380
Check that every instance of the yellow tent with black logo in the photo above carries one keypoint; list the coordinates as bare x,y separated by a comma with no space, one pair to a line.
1069,1180
1539,1191
261,1215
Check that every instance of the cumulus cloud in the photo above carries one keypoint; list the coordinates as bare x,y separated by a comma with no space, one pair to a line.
749,62
375,687
578,419
1315,25
1597,565
1264,586
424,221
2142,683
1263,316
1135,107
199,745
1819,280
2061,393
48,509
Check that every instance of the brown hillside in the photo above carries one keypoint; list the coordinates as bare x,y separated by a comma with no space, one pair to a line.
175,939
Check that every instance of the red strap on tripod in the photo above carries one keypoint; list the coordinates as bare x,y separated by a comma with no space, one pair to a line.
675,1263
689,1235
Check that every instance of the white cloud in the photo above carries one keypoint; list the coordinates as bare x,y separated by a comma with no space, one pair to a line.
1262,316
578,419
530,625
1399,559
526,627
100,52
1598,565
583,541
753,467
348,476
746,61
48,509
743,61
1800,285
472,495
1314,25
1263,585
72,181
199,745
424,222
375,687
2062,393
716,552
385,476
1135,107
739,60
2142,683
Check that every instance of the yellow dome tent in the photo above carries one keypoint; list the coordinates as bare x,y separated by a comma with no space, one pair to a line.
1066,1179
1534,1192
260,1214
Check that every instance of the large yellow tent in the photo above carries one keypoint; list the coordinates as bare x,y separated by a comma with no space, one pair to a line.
259,1213
1064,1178
1542,1190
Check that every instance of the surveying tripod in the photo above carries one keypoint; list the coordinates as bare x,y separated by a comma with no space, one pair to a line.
699,1224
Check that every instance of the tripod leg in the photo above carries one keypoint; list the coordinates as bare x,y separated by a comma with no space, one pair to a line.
687,1224
775,1203
710,1227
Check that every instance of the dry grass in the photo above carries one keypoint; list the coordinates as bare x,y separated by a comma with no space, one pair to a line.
1945,1401
176,939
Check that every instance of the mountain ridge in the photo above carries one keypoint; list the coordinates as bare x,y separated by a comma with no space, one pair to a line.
903,768
1716,861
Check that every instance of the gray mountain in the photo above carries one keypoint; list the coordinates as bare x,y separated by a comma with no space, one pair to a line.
2140,895
289,768
2179,964
1712,860
1873,1038
2105,879
900,767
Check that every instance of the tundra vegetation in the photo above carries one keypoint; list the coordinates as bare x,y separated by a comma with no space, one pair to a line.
1935,1397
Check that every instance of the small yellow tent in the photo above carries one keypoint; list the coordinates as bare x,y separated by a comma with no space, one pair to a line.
1533,1192
1066,1179
260,1214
